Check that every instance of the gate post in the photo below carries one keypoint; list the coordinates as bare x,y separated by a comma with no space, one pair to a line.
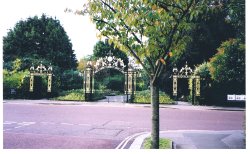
126,84
32,69
88,80
49,78
130,84
31,82
197,85
49,82
175,81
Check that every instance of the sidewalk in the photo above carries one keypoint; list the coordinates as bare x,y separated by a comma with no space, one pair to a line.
199,139
178,105
188,106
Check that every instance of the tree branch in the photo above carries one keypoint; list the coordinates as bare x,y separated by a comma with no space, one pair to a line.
100,20
139,60
108,6
125,25
170,40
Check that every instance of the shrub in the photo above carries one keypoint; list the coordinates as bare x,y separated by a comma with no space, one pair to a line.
145,97
12,80
71,79
76,95
71,95
229,63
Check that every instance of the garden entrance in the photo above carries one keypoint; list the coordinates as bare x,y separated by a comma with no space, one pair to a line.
194,85
109,78
37,73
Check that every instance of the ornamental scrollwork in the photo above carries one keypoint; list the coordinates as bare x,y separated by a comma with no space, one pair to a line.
109,62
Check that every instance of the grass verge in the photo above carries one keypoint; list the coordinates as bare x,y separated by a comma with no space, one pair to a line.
164,143
76,95
71,95
145,97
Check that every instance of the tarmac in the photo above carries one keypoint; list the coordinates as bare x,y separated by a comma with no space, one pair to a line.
198,139
181,139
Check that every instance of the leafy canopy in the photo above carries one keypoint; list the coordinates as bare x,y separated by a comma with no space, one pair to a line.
146,29
38,39
229,63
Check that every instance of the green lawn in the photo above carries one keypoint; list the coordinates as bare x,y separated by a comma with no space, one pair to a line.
164,143
144,97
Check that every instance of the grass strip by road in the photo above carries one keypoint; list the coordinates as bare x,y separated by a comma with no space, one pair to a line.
164,143
76,95
144,97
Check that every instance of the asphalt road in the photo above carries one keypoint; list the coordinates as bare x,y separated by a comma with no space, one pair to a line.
47,126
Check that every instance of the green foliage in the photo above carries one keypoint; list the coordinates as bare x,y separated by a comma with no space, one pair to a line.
224,74
163,143
145,97
71,95
20,81
146,30
236,16
229,63
205,84
71,79
76,95
206,35
12,80
109,80
203,70
38,39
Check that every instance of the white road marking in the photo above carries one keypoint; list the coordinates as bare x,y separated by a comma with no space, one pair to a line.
9,122
47,123
66,124
26,123
123,144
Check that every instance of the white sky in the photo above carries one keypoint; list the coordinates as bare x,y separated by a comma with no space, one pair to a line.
79,28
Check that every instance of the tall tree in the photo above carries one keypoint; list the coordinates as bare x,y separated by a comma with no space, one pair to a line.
147,30
39,39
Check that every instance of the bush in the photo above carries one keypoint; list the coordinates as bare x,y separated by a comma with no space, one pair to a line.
76,95
224,74
71,95
229,63
145,97
71,79
12,80
112,81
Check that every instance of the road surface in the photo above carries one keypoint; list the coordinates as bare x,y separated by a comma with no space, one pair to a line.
49,126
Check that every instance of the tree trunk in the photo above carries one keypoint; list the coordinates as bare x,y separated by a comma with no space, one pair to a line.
155,114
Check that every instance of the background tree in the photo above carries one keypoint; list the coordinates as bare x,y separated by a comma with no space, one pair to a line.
209,30
32,41
227,66
38,39
148,31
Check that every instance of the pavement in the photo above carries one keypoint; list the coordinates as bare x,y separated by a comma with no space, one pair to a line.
176,105
182,139
196,139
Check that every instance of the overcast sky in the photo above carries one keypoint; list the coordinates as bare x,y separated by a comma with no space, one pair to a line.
79,28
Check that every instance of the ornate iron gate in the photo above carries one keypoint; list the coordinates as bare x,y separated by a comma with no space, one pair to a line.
39,71
106,63
186,72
